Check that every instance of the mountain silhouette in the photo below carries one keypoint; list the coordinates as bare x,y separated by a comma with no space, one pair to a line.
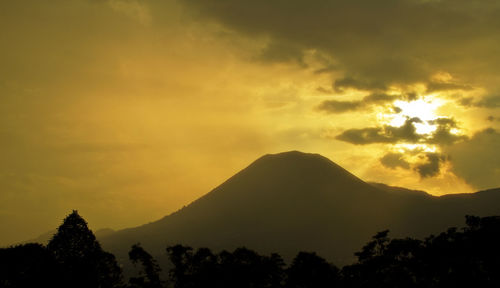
294,201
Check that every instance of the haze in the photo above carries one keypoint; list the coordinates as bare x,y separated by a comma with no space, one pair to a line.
127,110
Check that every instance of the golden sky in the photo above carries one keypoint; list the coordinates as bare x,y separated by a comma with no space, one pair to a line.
127,110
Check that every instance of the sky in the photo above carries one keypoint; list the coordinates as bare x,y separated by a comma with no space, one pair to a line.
127,110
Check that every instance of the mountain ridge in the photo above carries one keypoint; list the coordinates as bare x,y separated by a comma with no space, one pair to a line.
294,201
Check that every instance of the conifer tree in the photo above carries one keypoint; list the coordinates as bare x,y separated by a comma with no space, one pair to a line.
81,257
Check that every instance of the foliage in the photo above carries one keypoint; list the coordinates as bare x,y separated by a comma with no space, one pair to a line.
310,270
469,257
150,274
241,268
28,265
80,256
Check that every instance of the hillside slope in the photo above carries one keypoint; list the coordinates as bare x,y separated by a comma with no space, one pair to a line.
296,201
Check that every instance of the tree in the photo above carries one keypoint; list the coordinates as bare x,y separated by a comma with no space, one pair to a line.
204,269
149,277
29,265
310,270
181,258
81,257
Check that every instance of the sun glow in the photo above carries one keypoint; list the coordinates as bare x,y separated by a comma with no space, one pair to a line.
424,110
424,128
406,147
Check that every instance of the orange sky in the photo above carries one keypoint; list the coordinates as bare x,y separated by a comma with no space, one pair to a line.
127,110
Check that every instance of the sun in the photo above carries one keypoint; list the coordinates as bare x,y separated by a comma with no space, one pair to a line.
425,110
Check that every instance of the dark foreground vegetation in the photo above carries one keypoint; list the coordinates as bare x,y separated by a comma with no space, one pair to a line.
469,257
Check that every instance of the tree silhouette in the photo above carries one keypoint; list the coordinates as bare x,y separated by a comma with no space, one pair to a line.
180,256
468,257
28,265
241,268
149,277
310,270
81,257
204,269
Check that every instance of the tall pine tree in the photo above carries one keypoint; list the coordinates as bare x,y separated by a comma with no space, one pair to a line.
81,258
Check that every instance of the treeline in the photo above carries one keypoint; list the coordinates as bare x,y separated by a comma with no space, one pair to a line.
469,257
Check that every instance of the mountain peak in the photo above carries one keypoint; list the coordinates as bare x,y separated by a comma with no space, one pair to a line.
286,180
293,201
293,155
296,166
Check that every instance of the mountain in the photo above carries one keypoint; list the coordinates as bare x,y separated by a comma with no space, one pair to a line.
294,201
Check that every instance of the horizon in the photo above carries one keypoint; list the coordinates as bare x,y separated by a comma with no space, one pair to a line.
258,164
127,110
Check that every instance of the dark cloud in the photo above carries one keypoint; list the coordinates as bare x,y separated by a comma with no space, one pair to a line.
281,51
432,166
334,106
405,133
489,102
445,86
327,69
466,101
492,118
477,160
324,90
386,134
411,96
375,43
353,83
443,135
364,136
429,168
396,109
394,160
379,98
443,121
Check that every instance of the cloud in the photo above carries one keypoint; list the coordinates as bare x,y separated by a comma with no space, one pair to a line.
406,133
396,109
374,43
488,102
334,106
434,86
443,134
443,121
364,136
492,118
327,69
281,51
386,134
432,166
394,160
477,160
353,83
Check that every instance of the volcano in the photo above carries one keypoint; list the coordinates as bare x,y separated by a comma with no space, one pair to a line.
294,201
